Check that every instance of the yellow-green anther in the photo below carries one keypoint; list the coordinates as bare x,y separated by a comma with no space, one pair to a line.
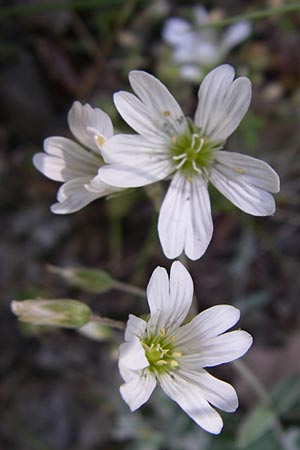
173,363
176,354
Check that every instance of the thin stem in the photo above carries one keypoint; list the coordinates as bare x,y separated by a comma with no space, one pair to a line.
128,288
108,322
146,251
262,394
252,381
22,10
155,194
115,240
255,15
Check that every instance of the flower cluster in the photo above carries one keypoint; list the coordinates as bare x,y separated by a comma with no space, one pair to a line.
167,145
196,49
190,153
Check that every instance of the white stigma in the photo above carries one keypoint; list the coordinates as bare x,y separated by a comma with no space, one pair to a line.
201,143
182,162
196,168
176,158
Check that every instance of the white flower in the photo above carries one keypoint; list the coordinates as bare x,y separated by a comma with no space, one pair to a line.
191,153
197,49
77,164
161,351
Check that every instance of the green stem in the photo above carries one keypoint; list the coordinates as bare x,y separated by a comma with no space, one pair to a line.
155,194
115,240
146,251
252,381
22,10
108,322
255,15
129,289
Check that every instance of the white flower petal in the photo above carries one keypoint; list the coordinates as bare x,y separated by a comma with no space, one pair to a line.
132,355
70,151
212,87
254,171
73,196
132,148
201,14
181,293
173,216
135,327
208,54
138,390
200,227
174,30
136,114
218,350
158,291
145,172
209,323
199,49
222,103
97,186
190,398
185,218
246,182
235,34
159,101
51,167
191,72
216,392
155,112
169,302
232,110
65,159
81,117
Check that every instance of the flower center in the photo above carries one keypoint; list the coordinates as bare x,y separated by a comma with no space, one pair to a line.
160,353
191,151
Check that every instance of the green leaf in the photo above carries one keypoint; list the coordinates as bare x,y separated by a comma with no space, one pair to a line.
266,442
96,331
256,424
286,394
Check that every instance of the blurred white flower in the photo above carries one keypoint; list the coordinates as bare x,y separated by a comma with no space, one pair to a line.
190,152
195,50
162,351
74,164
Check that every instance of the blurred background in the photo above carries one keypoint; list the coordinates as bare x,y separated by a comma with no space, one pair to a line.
59,389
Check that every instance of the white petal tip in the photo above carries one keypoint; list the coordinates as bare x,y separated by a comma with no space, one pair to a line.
217,429
57,208
124,394
36,160
246,342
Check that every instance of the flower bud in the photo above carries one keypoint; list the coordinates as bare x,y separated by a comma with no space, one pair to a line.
96,331
89,280
59,312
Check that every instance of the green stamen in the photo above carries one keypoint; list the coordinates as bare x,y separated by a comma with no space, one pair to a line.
159,352
191,151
